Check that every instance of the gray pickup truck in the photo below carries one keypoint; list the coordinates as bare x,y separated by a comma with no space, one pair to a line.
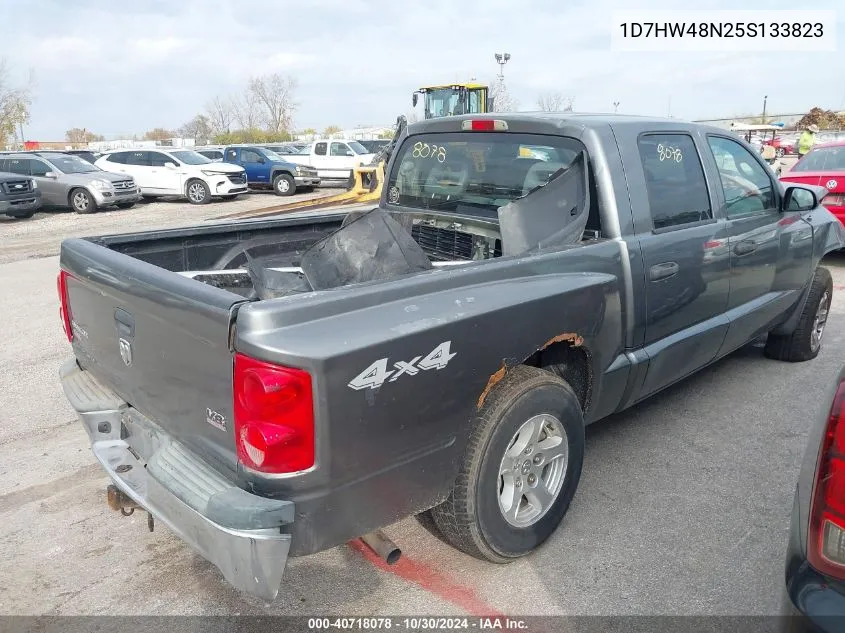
274,388
19,195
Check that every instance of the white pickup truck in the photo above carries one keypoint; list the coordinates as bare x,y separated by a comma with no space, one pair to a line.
334,159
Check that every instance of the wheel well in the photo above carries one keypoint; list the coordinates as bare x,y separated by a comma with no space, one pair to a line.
74,190
572,363
279,172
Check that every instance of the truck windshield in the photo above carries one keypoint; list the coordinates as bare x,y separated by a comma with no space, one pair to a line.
823,159
358,148
463,171
191,158
70,164
443,102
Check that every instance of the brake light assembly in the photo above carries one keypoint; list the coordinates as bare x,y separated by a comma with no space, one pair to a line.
64,304
826,539
484,125
274,417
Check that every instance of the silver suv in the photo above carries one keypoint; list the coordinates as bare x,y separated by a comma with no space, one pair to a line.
69,181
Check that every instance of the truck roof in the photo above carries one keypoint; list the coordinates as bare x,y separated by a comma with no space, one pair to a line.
552,122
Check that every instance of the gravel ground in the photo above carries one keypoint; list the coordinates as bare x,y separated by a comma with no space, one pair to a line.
41,235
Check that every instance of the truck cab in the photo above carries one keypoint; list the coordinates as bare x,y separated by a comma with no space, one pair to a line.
334,159
267,169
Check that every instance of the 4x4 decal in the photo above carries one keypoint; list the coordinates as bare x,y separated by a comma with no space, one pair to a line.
377,374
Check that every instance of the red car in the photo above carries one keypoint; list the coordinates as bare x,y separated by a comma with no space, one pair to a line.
784,146
824,166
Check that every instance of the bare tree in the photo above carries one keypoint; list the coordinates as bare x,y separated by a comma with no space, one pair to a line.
568,104
14,105
198,128
502,99
159,134
274,95
331,130
220,113
247,110
550,102
81,136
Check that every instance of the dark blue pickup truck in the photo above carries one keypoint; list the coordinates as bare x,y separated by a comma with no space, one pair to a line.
266,168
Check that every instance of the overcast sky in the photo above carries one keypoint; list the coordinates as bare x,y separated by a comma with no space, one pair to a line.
123,68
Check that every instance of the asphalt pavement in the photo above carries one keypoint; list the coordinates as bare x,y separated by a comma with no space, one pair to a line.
683,506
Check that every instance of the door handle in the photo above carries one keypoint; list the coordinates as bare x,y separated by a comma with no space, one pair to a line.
663,271
745,247
125,322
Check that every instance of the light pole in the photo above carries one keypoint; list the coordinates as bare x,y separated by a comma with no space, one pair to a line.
765,98
502,59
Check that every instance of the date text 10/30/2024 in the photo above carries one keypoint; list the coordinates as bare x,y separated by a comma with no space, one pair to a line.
417,623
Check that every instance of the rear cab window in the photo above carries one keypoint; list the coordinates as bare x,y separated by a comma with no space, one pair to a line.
319,149
674,178
475,172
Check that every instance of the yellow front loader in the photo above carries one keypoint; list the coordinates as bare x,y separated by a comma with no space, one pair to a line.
366,182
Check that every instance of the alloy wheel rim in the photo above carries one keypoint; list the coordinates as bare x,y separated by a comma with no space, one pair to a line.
283,185
533,470
820,321
80,201
196,191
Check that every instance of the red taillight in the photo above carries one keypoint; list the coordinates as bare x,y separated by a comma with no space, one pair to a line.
484,125
274,416
826,543
64,306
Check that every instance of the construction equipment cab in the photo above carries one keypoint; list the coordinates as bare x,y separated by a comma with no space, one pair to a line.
454,99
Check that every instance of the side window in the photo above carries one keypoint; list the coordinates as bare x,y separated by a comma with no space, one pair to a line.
232,154
320,149
341,149
157,159
118,158
747,186
250,156
138,158
677,189
18,166
38,168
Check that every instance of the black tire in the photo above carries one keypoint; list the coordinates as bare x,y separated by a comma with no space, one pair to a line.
197,191
801,344
284,185
125,205
471,519
81,201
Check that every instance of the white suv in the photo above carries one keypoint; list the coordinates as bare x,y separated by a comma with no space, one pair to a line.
177,172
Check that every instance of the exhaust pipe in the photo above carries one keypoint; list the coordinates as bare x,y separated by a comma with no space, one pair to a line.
384,548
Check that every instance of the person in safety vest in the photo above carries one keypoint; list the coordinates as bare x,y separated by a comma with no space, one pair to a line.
807,139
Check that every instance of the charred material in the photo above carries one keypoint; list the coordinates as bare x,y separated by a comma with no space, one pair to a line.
371,247
551,214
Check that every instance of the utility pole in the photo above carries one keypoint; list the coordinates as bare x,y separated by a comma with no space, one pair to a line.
765,98
502,59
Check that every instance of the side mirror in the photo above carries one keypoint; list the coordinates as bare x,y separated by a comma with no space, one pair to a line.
799,199
261,161
51,174
414,98
170,165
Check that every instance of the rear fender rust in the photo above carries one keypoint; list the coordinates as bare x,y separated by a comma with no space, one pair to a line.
573,339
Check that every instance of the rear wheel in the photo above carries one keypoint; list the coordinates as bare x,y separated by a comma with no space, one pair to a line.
520,471
198,192
284,185
805,342
82,201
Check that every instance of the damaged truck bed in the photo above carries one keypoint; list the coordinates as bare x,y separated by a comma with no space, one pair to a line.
275,388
